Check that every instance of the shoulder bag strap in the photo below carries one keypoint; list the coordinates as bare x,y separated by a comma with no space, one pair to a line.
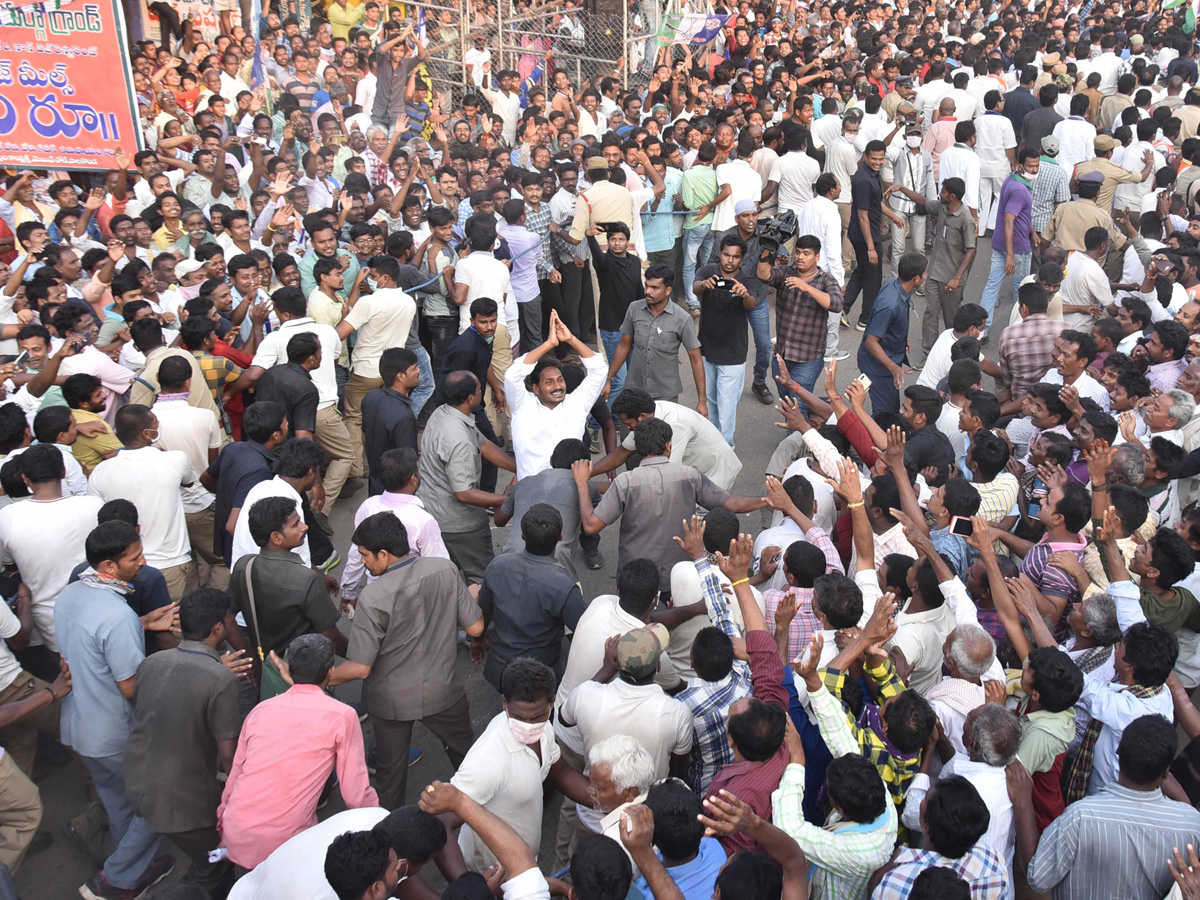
253,609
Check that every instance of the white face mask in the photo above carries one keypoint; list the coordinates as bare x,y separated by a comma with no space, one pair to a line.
913,141
372,283
526,732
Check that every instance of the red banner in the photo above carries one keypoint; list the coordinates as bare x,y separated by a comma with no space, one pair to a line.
66,88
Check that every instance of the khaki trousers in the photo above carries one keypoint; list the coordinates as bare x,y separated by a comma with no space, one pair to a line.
357,387
502,357
177,579
20,812
20,739
209,570
847,250
335,440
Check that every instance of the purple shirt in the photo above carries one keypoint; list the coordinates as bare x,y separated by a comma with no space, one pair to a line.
1015,199
525,257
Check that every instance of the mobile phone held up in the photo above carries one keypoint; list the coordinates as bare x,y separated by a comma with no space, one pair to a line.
962,526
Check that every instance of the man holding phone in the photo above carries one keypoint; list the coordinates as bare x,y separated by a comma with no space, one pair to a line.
724,303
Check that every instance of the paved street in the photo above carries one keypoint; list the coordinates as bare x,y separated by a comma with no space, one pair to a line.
56,873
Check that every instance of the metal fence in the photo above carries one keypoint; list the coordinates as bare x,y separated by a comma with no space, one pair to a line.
582,43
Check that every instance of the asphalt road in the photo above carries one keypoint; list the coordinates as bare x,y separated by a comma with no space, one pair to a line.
56,872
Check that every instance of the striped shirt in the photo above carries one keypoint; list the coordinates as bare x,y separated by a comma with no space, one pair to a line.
1025,351
1050,188
842,855
1115,843
997,497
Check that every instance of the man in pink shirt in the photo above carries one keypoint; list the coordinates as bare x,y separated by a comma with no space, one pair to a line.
288,747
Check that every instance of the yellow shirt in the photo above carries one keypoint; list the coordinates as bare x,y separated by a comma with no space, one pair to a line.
341,20
89,452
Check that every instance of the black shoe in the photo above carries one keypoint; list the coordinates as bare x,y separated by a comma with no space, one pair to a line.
322,521
762,393
594,559
40,842
96,888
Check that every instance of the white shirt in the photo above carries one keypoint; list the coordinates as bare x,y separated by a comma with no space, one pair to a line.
486,276
381,319
45,539
820,217
783,535
195,431
994,136
505,777
937,364
151,479
1108,64
272,351
1084,282
296,870
1085,384
10,626
826,130
992,785
476,59
947,424
1076,140
75,483
795,173
745,184
696,442
822,516
603,618
364,91
537,428
508,108
960,161
243,543
659,723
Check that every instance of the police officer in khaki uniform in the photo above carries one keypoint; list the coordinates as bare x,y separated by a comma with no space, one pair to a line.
1114,175
1072,219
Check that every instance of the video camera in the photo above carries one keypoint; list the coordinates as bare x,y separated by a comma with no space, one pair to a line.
774,233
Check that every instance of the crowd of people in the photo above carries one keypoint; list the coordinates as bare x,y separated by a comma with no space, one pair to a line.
956,659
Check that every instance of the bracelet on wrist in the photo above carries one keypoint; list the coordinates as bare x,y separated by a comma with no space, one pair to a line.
739,581
1100,487
856,505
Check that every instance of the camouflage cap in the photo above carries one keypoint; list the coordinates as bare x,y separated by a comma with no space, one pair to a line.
638,651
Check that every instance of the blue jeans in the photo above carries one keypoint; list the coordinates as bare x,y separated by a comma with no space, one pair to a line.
697,246
610,339
136,843
804,374
760,327
723,389
424,388
996,275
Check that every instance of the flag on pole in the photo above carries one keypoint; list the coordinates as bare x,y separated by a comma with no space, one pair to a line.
695,29
421,25
1192,13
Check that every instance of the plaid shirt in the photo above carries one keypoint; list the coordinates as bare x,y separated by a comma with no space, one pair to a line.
1050,188
844,735
218,372
709,701
981,867
1025,350
800,322
805,625
538,221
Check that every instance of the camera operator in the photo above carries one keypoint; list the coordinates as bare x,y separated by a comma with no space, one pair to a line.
745,227
725,302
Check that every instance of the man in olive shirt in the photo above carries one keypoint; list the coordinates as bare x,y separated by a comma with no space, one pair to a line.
452,454
653,499
651,335
404,643
185,720
954,236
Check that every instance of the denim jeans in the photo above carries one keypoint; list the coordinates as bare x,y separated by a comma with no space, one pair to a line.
760,327
723,389
992,289
697,246
804,374
610,339
136,843
424,388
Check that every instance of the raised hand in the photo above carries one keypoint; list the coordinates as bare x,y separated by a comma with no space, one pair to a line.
736,565
1099,459
848,486
792,418
725,814
806,664
440,797
692,542
637,829
893,454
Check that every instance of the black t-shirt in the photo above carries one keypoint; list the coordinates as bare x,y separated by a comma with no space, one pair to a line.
292,386
865,193
723,339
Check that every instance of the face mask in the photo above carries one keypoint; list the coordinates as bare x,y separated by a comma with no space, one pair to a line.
486,339
372,283
526,732
913,140
189,292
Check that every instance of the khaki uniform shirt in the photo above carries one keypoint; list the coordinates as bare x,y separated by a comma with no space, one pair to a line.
1072,220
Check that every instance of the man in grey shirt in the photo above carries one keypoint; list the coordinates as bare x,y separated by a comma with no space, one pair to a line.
651,335
452,454
652,500
555,486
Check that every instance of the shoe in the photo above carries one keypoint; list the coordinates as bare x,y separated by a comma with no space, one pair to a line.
861,326
845,321
594,559
331,563
322,521
352,486
96,888
917,366
86,833
695,311
414,756
838,356
762,393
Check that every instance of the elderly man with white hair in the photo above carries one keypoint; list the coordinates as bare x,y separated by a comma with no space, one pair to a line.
620,772
968,652
992,735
